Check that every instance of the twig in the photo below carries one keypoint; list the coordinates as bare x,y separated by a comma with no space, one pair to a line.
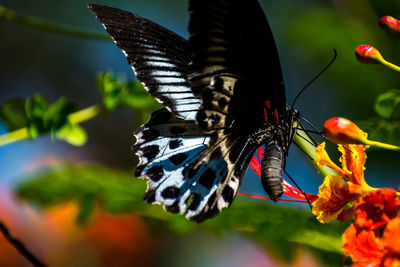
76,117
303,141
20,246
49,26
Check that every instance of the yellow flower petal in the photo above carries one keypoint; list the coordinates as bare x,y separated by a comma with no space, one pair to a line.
321,156
322,159
353,160
332,197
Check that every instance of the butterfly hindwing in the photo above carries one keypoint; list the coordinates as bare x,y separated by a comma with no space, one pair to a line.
158,57
168,147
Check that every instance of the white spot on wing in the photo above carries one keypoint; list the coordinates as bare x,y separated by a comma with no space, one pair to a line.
170,80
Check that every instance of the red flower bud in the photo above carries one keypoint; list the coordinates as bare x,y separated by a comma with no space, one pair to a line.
391,25
367,54
343,131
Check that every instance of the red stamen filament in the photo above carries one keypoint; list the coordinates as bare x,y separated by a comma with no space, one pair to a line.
288,189
260,197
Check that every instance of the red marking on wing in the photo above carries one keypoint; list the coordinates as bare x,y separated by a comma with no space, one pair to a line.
276,116
265,115
266,109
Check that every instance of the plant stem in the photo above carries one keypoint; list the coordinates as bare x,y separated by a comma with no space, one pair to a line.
382,145
75,118
86,114
20,246
14,136
49,26
390,65
305,143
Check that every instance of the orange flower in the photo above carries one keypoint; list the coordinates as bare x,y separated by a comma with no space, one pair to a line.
374,238
335,193
391,242
343,131
391,25
367,54
362,246
376,208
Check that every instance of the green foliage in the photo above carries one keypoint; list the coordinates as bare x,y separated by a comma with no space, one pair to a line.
387,105
382,130
40,116
72,133
12,113
344,32
386,127
278,227
114,191
117,93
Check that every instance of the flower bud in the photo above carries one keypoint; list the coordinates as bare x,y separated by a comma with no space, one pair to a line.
343,131
391,25
367,54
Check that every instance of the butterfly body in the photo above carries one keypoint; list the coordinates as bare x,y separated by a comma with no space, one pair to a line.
224,97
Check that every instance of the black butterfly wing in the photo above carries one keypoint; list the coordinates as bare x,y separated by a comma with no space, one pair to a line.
235,70
159,57
171,141
192,168
234,37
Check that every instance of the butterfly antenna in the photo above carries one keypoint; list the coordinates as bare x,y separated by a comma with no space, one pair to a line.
311,125
316,77
298,187
311,142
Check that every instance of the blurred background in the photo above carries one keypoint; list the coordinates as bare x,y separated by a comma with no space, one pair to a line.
33,61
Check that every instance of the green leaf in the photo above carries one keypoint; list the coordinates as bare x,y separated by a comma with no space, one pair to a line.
56,115
12,113
317,240
44,117
86,209
35,109
110,88
117,93
114,190
387,105
72,134
378,129
276,226
137,97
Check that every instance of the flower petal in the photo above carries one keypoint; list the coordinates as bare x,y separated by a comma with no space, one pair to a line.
362,246
391,237
322,159
332,197
353,160
376,208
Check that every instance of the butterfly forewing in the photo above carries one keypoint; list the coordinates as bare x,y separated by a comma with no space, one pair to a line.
233,37
158,57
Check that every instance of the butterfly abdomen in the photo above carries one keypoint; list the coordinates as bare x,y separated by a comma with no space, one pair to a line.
272,166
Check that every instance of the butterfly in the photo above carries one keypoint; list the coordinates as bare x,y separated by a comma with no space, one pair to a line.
224,97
